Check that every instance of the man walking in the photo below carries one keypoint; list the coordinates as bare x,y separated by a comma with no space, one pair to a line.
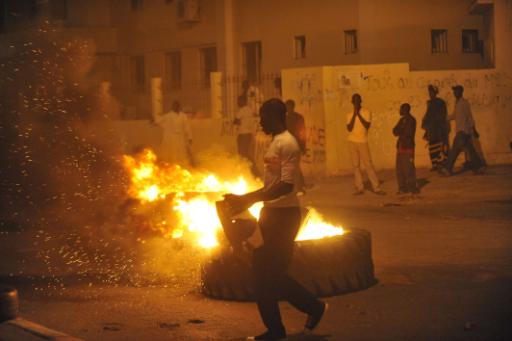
436,126
465,129
279,223
405,130
358,123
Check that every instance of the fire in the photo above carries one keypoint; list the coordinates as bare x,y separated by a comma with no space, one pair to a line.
188,199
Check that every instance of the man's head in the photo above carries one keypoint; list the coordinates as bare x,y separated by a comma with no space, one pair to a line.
176,106
290,106
432,91
405,109
242,101
458,91
273,116
357,100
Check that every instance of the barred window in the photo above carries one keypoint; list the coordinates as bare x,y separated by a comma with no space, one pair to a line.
299,47
350,41
470,42
439,41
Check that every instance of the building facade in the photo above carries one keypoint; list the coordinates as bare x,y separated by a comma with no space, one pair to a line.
183,41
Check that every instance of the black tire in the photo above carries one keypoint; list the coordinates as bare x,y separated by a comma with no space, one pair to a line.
8,303
327,267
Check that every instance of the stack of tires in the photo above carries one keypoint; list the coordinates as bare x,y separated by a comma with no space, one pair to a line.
327,267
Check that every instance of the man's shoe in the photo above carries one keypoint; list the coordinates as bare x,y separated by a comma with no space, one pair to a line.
400,192
358,192
379,192
313,320
270,336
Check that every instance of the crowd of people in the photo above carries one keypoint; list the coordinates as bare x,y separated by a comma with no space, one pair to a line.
177,139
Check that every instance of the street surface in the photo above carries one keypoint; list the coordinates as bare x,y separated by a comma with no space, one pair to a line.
443,261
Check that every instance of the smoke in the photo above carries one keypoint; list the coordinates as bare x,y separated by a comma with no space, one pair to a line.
61,178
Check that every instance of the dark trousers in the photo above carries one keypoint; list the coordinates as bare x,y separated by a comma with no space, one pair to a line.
463,142
279,226
244,144
406,172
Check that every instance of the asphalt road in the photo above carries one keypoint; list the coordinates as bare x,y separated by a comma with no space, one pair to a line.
443,261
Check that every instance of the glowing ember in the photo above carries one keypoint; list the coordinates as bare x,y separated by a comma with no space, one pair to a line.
190,198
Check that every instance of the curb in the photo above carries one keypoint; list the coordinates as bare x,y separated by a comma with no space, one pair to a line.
21,329
18,329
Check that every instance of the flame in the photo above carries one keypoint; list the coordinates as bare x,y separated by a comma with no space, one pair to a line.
188,198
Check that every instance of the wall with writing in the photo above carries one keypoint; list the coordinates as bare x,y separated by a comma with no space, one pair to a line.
305,86
383,88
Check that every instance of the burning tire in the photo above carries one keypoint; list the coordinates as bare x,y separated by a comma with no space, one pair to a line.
327,267
8,303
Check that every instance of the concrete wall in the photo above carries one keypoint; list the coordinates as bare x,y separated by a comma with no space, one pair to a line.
326,101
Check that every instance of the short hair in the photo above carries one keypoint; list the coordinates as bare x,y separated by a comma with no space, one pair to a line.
433,88
458,87
357,95
275,108
290,102
406,106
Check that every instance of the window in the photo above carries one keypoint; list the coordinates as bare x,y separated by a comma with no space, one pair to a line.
350,41
173,69
138,72
136,4
439,41
208,64
299,46
470,43
252,61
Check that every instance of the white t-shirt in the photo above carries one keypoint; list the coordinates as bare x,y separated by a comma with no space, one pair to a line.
359,134
281,163
247,120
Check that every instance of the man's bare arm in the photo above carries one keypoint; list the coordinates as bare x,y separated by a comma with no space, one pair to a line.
239,203
350,124
365,123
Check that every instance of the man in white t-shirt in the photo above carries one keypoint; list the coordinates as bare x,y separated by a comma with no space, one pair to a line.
358,123
279,223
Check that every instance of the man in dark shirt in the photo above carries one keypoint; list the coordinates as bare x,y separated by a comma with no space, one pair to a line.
436,126
296,125
405,129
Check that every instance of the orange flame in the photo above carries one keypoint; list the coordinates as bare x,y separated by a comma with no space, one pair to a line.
192,196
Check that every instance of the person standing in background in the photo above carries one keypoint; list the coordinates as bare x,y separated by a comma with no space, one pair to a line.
465,130
437,128
296,125
358,123
405,130
253,95
177,138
